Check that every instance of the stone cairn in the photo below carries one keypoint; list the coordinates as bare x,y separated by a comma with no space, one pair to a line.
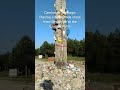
49,77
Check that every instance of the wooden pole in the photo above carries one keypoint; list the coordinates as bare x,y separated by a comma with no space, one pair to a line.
60,33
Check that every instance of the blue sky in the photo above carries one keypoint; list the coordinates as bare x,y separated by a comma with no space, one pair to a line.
16,21
42,30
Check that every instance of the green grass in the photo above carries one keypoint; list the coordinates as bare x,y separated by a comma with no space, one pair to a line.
3,74
22,79
101,77
69,58
76,58
43,59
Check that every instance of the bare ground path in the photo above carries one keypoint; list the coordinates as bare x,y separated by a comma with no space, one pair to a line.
13,85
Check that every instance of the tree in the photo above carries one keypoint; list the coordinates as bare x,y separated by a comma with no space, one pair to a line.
37,51
81,48
103,52
75,47
70,46
4,60
47,48
23,55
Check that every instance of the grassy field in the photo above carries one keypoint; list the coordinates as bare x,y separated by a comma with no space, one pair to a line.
68,58
3,74
78,61
43,59
22,79
76,58
101,77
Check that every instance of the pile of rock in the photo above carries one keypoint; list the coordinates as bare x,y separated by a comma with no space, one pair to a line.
49,77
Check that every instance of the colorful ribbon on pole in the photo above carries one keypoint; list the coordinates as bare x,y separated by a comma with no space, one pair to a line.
60,45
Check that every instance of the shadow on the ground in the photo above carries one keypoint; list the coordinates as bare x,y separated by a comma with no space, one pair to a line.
47,85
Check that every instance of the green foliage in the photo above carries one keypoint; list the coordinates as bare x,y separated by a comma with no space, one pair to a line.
47,48
4,59
37,51
22,54
74,48
103,52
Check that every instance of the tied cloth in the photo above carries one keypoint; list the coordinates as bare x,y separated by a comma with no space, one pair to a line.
60,45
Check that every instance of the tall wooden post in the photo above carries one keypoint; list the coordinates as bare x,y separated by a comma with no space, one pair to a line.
60,33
